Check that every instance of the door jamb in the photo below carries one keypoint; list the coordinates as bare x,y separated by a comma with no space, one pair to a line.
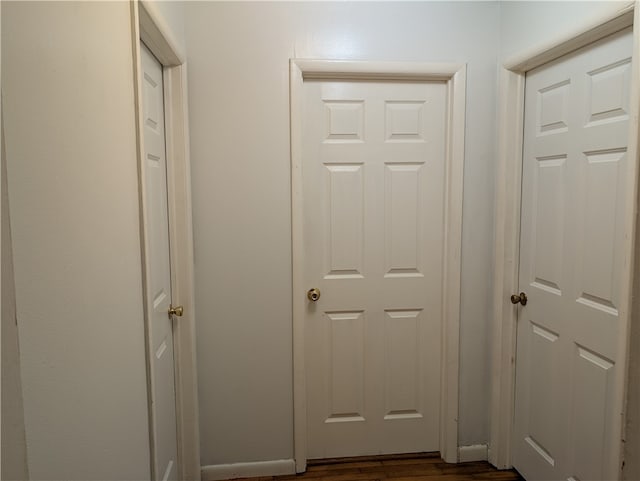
455,77
507,224
148,27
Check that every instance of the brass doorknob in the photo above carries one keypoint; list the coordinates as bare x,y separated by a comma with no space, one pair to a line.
519,299
313,294
175,311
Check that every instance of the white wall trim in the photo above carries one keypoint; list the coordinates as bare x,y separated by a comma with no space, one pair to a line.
182,269
582,34
356,69
181,231
297,257
506,255
455,76
507,223
2,175
631,414
627,314
156,35
457,85
248,470
475,452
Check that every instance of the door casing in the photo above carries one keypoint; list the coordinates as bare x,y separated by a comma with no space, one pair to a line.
455,77
507,224
148,27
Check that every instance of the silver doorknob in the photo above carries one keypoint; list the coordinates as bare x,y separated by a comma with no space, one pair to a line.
519,299
175,311
313,294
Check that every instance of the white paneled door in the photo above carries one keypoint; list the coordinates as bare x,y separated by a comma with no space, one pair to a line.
373,174
568,384
159,271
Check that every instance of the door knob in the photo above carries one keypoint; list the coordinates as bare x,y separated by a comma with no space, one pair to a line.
175,311
313,294
521,298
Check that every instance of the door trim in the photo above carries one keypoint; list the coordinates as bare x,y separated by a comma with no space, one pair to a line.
148,27
507,211
455,77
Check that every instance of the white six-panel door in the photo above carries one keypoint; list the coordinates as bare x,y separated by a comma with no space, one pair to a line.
159,279
373,173
575,144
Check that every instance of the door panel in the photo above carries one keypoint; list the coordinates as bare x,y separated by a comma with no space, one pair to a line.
346,216
159,279
403,365
373,186
346,361
574,159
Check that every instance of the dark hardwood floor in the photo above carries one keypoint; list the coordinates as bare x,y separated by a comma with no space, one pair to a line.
405,467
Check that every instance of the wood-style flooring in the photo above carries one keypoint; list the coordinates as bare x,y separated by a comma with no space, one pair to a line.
406,467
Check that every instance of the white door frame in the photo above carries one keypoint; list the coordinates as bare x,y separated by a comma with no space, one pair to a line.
148,27
455,77
507,224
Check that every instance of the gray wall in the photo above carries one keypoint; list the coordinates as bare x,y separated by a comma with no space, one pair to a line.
67,80
528,24
239,115
68,87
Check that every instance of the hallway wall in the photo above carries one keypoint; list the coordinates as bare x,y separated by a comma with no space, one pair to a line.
529,24
69,115
238,57
67,80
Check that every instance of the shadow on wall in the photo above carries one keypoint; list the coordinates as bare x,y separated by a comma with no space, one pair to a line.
14,448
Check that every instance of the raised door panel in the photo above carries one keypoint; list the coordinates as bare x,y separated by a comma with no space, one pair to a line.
345,229
598,241
542,432
553,108
404,121
403,224
403,364
608,93
590,401
547,219
345,366
344,121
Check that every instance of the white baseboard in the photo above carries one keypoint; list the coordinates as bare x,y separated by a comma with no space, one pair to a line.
248,470
476,452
